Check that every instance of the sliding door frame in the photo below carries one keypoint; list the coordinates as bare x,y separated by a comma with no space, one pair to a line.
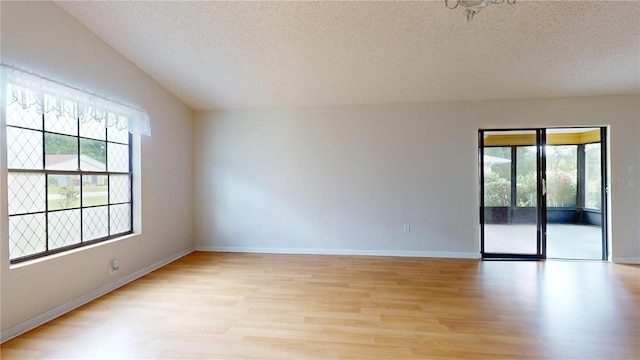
541,215
541,212
541,144
604,192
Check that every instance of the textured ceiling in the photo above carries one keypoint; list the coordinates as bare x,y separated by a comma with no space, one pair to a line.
271,54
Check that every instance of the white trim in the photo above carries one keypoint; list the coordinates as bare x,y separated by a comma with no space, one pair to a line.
313,251
84,299
626,260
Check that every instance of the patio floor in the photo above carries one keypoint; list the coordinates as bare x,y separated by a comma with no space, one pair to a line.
564,241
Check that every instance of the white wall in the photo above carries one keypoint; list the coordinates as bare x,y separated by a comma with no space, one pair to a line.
346,179
40,37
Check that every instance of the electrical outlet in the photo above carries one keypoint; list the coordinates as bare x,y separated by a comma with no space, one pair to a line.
259,226
406,228
113,266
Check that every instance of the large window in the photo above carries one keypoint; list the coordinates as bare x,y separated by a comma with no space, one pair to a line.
69,182
69,168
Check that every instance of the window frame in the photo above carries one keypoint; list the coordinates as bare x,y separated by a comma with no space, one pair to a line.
80,173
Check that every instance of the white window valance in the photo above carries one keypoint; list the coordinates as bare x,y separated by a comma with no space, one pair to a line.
46,95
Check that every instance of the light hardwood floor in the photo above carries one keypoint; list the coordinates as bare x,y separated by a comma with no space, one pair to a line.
220,305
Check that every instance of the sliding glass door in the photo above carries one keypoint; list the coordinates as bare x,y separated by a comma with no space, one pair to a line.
543,194
576,216
511,176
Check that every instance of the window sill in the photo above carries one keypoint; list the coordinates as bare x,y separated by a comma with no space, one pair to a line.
71,251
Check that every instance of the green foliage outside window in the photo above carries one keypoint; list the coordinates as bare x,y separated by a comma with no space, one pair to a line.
61,144
561,188
497,190
526,187
497,177
561,177
562,174
527,190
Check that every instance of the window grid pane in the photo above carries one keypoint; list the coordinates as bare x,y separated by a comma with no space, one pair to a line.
18,116
93,129
95,223
64,228
120,189
26,192
120,218
118,160
63,192
118,135
94,190
93,155
24,149
27,235
60,124
61,152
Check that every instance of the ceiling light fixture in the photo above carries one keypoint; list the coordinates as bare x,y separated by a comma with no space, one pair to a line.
473,7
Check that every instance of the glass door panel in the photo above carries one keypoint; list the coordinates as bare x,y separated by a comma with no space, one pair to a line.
574,193
509,181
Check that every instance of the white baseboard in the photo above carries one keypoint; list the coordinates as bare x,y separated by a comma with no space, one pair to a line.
626,260
309,251
82,300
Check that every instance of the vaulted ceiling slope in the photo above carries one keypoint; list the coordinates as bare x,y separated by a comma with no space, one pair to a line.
216,55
